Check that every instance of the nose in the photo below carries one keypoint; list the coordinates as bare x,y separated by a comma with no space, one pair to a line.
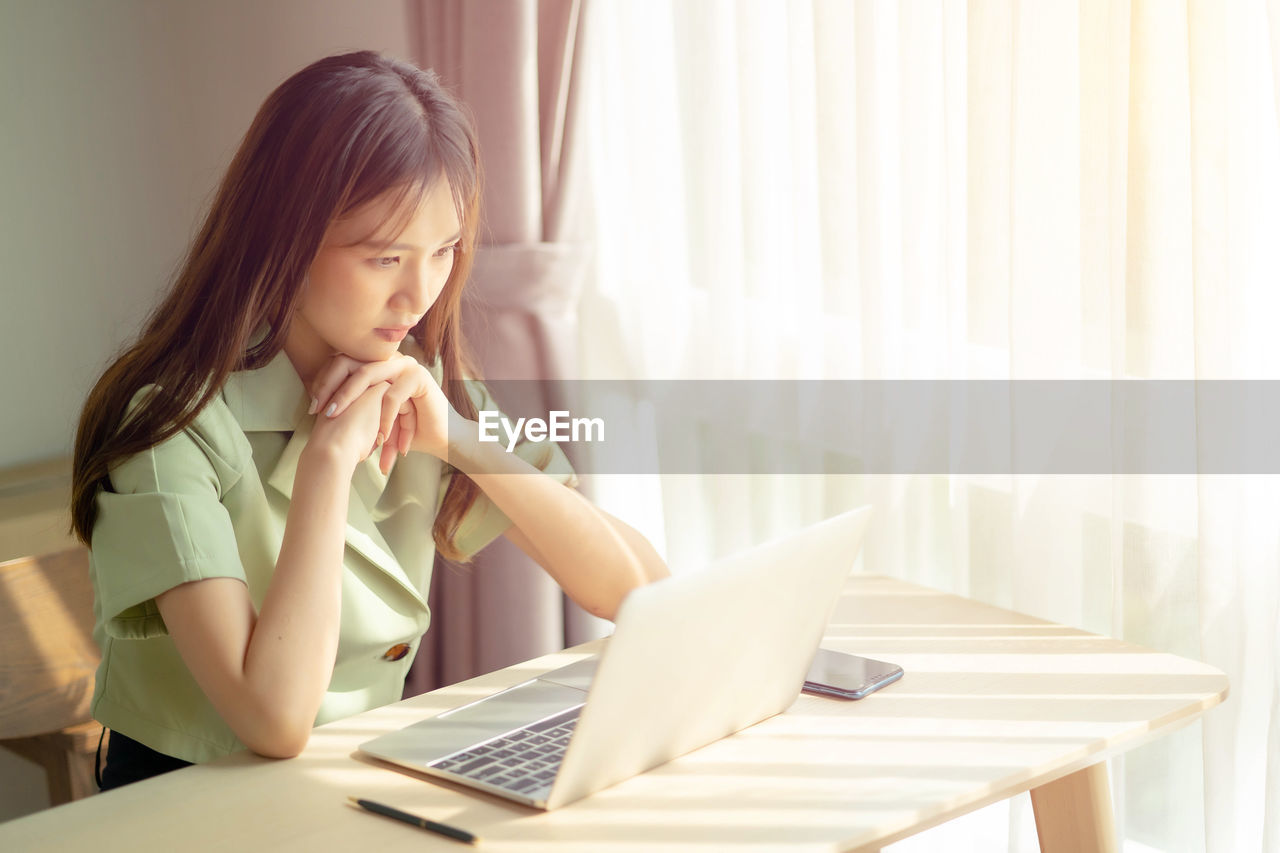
419,287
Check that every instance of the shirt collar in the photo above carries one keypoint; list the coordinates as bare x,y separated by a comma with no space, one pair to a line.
270,398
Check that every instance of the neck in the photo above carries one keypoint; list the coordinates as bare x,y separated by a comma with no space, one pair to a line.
306,352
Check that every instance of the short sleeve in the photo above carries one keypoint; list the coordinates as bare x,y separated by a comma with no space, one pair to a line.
484,522
160,525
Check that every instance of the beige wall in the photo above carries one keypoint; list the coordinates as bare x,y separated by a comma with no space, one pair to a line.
116,121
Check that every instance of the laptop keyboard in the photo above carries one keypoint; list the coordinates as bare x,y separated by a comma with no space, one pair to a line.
524,761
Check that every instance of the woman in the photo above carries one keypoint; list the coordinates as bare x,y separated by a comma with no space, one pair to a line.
264,476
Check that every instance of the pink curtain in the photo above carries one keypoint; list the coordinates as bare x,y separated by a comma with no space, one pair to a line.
514,64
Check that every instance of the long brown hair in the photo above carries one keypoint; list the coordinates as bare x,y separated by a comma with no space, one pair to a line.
336,135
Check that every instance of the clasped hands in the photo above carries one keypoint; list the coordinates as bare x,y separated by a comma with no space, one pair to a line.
395,405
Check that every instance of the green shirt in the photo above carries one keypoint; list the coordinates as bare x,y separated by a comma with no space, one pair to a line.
211,502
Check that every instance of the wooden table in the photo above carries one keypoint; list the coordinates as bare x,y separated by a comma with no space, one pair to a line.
993,703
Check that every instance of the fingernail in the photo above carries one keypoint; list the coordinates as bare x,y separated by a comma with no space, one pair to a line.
314,407
332,410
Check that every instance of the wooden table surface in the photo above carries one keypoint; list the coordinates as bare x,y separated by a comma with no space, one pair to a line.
993,703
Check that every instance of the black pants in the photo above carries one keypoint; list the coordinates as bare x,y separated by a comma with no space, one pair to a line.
129,761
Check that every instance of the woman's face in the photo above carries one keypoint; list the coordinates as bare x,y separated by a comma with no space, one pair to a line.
369,286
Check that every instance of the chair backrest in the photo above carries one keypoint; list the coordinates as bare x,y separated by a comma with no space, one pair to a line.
47,654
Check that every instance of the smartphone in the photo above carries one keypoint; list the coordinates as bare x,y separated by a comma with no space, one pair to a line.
848,676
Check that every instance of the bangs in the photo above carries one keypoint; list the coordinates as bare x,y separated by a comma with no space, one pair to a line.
405,164
405,200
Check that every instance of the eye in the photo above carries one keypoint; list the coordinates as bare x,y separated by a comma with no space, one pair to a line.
386,263
450,249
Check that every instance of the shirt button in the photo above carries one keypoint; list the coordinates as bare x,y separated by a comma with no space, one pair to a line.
396,652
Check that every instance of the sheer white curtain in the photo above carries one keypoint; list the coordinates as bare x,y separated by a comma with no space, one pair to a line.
828,189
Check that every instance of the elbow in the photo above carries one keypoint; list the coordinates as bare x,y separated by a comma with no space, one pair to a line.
286,746
608,603
276,738
653,570
648,567
283,748
641,563
656,570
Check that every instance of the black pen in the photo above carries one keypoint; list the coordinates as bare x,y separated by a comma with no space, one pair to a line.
420,822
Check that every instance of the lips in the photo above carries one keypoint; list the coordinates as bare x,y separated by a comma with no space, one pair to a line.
393,334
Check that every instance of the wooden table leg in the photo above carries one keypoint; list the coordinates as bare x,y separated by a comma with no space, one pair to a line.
1073,814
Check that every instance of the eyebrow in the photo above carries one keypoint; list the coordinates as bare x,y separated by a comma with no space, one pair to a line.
401,247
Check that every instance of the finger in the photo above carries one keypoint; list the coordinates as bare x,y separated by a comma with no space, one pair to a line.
379,440
342,389
405,386
362,376
396,399
331,375
408,423
389,450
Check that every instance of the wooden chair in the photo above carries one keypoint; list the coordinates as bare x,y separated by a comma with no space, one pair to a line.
47,665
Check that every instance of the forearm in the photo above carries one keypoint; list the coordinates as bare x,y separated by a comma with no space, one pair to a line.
594,557
289,660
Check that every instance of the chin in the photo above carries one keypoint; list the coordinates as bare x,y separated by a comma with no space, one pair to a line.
372,352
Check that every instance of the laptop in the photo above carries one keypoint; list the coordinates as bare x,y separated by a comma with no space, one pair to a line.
692,659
